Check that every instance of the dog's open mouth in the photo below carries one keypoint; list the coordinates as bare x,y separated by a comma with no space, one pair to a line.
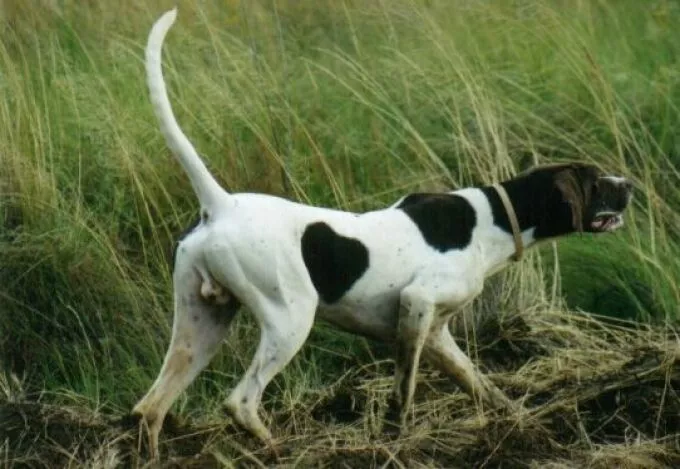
607,221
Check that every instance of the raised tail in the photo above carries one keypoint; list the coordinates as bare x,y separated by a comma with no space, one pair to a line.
206,187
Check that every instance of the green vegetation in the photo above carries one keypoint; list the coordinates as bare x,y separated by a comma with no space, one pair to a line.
341,103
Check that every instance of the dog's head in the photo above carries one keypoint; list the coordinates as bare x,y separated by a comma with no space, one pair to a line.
581,198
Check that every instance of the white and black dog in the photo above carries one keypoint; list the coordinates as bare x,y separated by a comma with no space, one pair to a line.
381,274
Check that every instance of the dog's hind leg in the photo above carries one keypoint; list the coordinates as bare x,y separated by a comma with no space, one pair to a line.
284,327
198,328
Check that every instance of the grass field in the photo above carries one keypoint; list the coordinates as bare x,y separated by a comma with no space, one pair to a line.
347,104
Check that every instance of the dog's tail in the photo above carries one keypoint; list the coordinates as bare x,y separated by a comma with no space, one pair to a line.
206,187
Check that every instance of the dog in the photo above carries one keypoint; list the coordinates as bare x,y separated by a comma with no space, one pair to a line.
381,274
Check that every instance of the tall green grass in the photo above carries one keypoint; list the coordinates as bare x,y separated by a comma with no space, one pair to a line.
347,104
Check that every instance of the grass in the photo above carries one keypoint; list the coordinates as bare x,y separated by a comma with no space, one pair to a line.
347,104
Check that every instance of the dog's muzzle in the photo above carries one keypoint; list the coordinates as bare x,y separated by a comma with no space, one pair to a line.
614,195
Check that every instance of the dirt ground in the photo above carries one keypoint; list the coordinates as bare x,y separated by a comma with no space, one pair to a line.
594,394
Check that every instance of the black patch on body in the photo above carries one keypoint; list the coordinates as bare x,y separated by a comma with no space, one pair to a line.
446,221
334,262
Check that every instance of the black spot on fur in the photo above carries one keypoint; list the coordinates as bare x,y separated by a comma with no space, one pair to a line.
446,221
333,261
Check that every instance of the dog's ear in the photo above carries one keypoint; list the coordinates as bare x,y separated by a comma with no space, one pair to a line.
576,186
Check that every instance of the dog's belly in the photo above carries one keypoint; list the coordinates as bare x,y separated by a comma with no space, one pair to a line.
374,319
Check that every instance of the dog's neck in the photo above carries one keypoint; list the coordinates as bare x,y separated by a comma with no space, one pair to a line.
540,212
538,205
514,224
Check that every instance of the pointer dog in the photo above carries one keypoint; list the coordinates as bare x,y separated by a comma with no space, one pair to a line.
381,274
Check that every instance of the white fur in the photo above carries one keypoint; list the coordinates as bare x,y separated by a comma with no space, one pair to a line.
248,246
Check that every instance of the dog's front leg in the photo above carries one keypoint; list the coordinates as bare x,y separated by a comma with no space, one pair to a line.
442,350
416,313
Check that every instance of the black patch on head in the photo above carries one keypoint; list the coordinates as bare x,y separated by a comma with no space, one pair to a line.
333,261
446,221
541,202
537,204
183,235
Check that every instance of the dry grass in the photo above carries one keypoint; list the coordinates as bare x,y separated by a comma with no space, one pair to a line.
595,393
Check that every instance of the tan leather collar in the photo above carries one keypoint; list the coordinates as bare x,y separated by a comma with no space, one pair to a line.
517,236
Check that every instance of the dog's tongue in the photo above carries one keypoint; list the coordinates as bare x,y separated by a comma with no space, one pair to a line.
598,222
602,223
